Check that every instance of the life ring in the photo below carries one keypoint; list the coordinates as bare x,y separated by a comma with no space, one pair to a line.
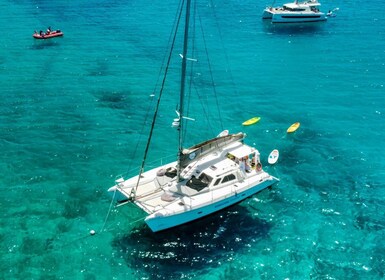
259,166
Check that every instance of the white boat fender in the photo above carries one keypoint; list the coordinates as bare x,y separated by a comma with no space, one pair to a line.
161,172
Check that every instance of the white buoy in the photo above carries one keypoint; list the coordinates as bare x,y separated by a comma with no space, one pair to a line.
92,232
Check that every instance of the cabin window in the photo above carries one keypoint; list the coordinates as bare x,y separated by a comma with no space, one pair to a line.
196,184
217,181
205,178
228,178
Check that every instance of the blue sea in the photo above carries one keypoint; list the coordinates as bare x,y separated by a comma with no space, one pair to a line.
75,113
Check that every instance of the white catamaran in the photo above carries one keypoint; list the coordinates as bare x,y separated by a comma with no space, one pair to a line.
295,12
205,178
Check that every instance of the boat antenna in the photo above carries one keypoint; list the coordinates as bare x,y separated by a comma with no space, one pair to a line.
182,87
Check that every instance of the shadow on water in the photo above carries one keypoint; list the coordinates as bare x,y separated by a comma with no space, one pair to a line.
113,100
293,28
43,44
200,245
101,68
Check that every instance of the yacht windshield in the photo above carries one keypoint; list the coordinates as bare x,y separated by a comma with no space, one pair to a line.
199,183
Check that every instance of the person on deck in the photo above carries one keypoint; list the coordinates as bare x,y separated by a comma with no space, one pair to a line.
242,165
247,166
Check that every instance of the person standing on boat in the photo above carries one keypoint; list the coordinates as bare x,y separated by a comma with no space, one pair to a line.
247,165
48,30
242,165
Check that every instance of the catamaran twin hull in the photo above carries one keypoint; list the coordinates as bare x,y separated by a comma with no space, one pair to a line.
296,18
158,221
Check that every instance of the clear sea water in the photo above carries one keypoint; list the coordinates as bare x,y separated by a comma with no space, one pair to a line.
71,120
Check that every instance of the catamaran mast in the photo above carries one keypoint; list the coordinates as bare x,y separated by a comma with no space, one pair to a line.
182,86
133,191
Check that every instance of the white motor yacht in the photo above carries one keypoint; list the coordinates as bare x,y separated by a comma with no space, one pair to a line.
295,12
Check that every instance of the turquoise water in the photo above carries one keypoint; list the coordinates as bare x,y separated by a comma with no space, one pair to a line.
72,111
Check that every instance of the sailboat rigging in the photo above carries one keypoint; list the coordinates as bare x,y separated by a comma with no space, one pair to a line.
206,177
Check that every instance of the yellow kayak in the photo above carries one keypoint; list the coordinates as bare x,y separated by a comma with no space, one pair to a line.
293,127
251,121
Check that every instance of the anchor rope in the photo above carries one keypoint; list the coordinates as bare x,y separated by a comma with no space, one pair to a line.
109,211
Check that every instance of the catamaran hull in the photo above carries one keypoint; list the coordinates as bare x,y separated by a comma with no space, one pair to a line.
158,222
298,18
277,17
